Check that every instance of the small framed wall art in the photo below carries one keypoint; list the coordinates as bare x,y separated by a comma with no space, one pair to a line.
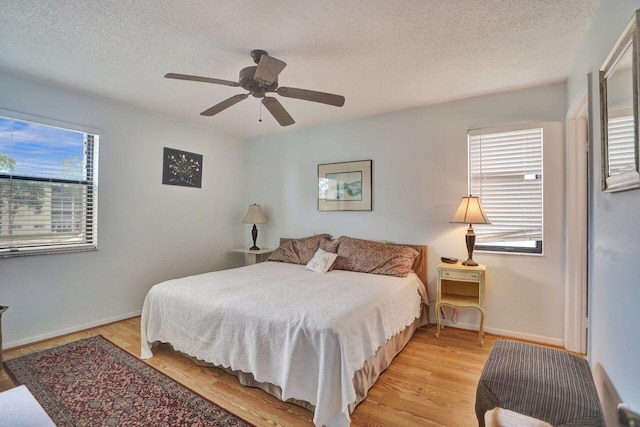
345,186
182,168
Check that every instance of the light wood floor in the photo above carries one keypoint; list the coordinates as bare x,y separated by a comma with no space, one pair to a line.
432,382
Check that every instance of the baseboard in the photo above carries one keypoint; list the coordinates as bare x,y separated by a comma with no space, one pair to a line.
558,342
502,332
59,332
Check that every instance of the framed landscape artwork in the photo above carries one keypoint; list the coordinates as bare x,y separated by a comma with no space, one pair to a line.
182,168
344,186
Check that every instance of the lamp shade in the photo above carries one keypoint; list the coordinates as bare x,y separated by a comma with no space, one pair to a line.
254,215
470,212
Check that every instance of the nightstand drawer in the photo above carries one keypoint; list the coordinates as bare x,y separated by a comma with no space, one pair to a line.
460,275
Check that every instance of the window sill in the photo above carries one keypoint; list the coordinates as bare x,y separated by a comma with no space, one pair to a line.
482,251
29,252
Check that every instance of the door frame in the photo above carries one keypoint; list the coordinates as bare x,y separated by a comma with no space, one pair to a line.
576,226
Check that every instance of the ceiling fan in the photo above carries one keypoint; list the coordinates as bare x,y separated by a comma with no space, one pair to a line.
260,80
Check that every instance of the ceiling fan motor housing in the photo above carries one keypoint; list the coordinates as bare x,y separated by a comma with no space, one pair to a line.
247,81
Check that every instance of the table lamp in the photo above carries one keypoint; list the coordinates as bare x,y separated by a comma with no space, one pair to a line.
254,216
470,212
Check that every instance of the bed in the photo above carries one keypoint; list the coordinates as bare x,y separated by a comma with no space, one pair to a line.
316,340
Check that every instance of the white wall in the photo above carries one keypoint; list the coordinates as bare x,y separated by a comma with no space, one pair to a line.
147,232
614,296
419,174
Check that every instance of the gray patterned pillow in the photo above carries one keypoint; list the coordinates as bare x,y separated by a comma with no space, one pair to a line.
299,251
367,256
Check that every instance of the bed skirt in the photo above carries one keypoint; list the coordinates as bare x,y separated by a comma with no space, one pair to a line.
363,379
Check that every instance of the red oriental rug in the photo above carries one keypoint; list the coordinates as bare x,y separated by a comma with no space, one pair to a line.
92,382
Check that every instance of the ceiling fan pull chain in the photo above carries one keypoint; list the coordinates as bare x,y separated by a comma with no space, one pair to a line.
260,115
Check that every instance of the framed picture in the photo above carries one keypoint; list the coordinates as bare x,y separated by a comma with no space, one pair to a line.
182,168
344,186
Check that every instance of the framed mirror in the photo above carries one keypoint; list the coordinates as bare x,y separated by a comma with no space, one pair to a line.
619,112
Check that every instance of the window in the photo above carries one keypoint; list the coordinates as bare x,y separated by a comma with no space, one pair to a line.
505,171
48,187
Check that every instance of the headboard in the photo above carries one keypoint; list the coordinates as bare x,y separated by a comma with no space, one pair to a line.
419,265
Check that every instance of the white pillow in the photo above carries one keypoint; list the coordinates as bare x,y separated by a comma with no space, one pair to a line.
321,261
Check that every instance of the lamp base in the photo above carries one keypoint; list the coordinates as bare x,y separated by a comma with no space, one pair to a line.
470,239
254,235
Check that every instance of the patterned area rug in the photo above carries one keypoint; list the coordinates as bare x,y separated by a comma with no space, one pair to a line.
92,382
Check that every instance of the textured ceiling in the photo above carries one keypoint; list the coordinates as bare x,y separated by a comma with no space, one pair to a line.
382,55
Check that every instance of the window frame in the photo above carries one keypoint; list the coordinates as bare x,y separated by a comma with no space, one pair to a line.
91,183
536,248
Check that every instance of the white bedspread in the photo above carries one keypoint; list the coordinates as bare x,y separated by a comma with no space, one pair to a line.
306,332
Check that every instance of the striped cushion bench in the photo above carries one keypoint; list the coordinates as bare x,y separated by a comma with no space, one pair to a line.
541,382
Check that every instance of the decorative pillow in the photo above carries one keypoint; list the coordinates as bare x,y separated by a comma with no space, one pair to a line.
367,256
321,261
298,251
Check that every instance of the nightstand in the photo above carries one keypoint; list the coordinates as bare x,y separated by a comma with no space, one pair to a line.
460,286
252,257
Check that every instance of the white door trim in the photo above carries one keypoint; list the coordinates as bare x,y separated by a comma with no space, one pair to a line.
576,237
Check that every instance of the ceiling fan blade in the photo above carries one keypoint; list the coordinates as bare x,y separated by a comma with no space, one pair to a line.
311,95
268,69
277,111
200,79
224,105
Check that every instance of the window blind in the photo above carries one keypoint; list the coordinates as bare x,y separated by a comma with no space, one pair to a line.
48,199
621,145
505,171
